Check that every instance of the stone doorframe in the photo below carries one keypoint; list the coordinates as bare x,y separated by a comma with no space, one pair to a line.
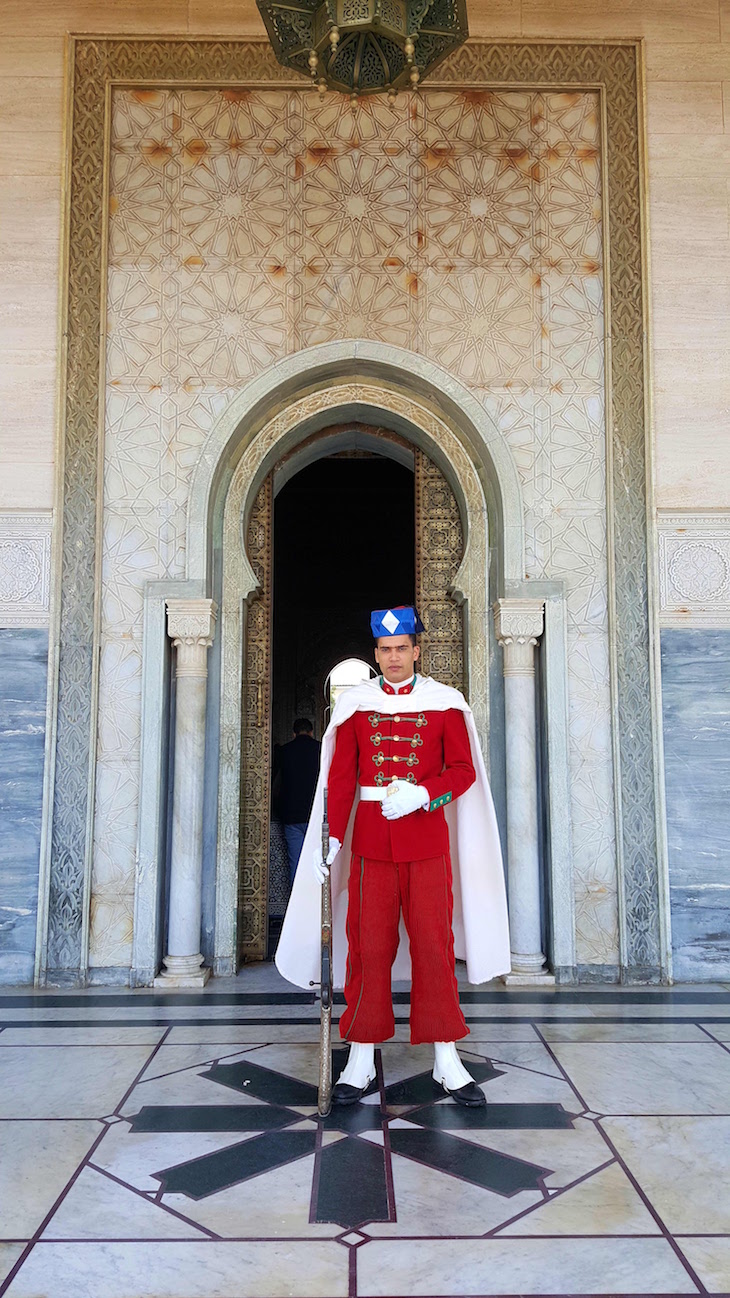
364,382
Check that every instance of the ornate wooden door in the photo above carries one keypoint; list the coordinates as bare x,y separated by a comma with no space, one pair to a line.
253,887
439,551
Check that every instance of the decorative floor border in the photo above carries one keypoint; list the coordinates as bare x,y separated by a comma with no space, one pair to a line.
615,70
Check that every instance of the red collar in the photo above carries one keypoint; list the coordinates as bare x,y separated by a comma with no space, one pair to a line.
404,689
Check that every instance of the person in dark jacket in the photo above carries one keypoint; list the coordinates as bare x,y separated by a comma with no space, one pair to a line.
295,776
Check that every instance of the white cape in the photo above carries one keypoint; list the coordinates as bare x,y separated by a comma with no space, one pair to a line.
481,935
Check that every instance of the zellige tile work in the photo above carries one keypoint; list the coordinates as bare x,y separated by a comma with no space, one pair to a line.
169,1144
246,224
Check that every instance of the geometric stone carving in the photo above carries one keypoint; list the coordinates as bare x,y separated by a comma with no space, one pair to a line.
25,568
694,569
191,627
519,623
700,571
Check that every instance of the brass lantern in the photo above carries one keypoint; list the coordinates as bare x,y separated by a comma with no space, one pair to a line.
364,47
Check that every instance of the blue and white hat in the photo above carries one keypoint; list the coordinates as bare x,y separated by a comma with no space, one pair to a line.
401,620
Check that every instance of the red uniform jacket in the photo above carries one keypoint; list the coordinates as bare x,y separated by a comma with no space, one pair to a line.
427,748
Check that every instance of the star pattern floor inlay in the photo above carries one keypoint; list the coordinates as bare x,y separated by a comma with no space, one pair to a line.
167,1145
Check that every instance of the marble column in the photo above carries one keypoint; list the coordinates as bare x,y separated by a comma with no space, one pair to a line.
519,625
190,626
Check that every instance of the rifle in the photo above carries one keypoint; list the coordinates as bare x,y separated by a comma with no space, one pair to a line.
324,1098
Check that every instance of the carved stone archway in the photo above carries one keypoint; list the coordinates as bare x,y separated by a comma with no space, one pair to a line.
437,545
373,402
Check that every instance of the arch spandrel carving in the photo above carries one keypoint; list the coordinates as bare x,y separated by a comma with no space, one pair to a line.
353,364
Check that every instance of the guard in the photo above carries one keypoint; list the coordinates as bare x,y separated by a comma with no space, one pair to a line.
402,753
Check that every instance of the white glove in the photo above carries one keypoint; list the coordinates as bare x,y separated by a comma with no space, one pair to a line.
321,868
407,798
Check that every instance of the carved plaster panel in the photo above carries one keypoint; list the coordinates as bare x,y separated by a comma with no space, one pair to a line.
25,568
694,569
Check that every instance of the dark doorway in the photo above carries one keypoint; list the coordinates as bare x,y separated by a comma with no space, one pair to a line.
343,544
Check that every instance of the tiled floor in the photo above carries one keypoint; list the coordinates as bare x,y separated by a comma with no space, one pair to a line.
168,1147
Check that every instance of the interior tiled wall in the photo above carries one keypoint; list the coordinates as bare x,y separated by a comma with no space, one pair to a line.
23,665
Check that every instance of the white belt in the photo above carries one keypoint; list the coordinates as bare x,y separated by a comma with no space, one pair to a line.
373,793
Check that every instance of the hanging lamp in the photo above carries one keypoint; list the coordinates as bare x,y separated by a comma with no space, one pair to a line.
364,47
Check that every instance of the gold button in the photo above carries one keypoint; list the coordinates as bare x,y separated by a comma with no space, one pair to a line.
396,718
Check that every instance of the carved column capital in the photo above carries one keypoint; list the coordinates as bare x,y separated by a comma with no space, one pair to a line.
191,627
519,623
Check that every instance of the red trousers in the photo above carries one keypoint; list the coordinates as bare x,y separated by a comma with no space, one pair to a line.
377,892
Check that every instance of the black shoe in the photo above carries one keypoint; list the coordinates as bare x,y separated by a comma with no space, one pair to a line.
471,1096
343,1093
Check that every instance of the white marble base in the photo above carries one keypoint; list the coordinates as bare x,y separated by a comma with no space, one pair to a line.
543,979
183,971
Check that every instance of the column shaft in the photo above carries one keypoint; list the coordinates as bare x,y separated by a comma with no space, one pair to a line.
522,845
186,862
190,624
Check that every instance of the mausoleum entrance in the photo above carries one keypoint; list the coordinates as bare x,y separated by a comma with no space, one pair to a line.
354,518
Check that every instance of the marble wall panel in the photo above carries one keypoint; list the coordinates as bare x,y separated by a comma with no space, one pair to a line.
32,153
47,93
685,63
23,668
694,107
704,299
696,687
700,420
117,798
27,302
30,211
50,19
558,441
246,224
113,874
682,204
687,156
662,20
31,110
31,56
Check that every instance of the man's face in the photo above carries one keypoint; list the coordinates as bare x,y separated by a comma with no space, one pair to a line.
396,657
